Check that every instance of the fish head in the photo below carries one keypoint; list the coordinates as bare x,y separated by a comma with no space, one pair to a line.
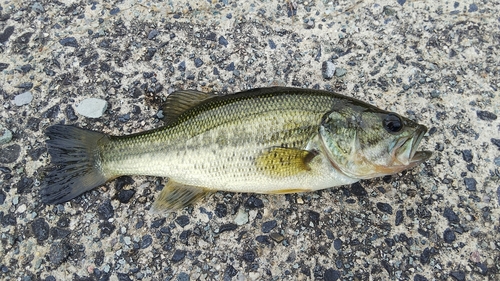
367,142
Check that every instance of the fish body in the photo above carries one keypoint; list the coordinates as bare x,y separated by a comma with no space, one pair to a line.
267,140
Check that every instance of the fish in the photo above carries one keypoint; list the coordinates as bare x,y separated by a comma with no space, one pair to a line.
274,140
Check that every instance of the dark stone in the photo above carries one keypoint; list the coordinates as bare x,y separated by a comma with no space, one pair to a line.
313,217
123,181
24,38
473,8
227,227
486,115
99,257
58,252
124,196
40,229
59,233
8,219
467,155
5,35
458,275
123,276
3,66
337,244
263,239
25,85
390,242
70,113
37,152
331,275
249,256
451,215
114,11
182,66
223,41
2,197
69,42
150,53
211,36
230,271
157,223
425,256
268,226
483,268
419,277
399,217
51,112
449,235
272,45
384,207
33,123
153,33
198,62
470,184
146,241
230,67
63,221
178,256
24,185
358,190
10,153
105,210
253,203
496,142
106,228
182,220
220,210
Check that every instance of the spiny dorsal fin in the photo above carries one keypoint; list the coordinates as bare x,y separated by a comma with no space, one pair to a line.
283,162
180,101
176,196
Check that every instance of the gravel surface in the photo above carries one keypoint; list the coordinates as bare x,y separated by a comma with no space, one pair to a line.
433,61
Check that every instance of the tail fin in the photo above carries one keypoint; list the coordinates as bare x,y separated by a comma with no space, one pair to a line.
75,154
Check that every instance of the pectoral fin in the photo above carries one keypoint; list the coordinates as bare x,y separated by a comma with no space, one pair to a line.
283,162
176,196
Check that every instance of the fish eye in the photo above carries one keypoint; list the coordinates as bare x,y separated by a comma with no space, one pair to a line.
392,123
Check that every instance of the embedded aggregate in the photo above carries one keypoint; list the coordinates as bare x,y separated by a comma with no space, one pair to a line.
435,62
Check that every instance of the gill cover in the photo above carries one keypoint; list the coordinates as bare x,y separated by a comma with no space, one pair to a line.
366,142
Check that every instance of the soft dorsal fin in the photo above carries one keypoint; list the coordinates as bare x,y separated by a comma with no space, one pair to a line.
180,101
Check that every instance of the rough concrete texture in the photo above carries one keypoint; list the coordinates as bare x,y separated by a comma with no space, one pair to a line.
434,61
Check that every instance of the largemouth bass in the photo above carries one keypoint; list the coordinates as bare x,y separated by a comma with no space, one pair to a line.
269,140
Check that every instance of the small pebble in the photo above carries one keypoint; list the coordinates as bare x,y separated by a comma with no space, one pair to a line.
254,203
227,227
178,256
458,275
40,229
486,115
69,42
328,69
332,275
449,236
152,34
105,210
277,237
198,62
451,216
496,142
241,217
92,107
384,207
22,99
223,41
182,220
339,72
470,184
58,252
37,7
5,135
418,277
268,226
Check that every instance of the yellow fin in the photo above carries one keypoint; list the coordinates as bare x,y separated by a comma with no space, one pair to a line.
288,191
180,101
176,196
283,162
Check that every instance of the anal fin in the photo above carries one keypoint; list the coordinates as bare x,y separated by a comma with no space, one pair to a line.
176,196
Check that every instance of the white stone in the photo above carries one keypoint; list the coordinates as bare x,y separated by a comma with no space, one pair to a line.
92,107
242,217
23,98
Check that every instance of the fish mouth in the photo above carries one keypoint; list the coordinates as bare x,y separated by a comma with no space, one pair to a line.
407,153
